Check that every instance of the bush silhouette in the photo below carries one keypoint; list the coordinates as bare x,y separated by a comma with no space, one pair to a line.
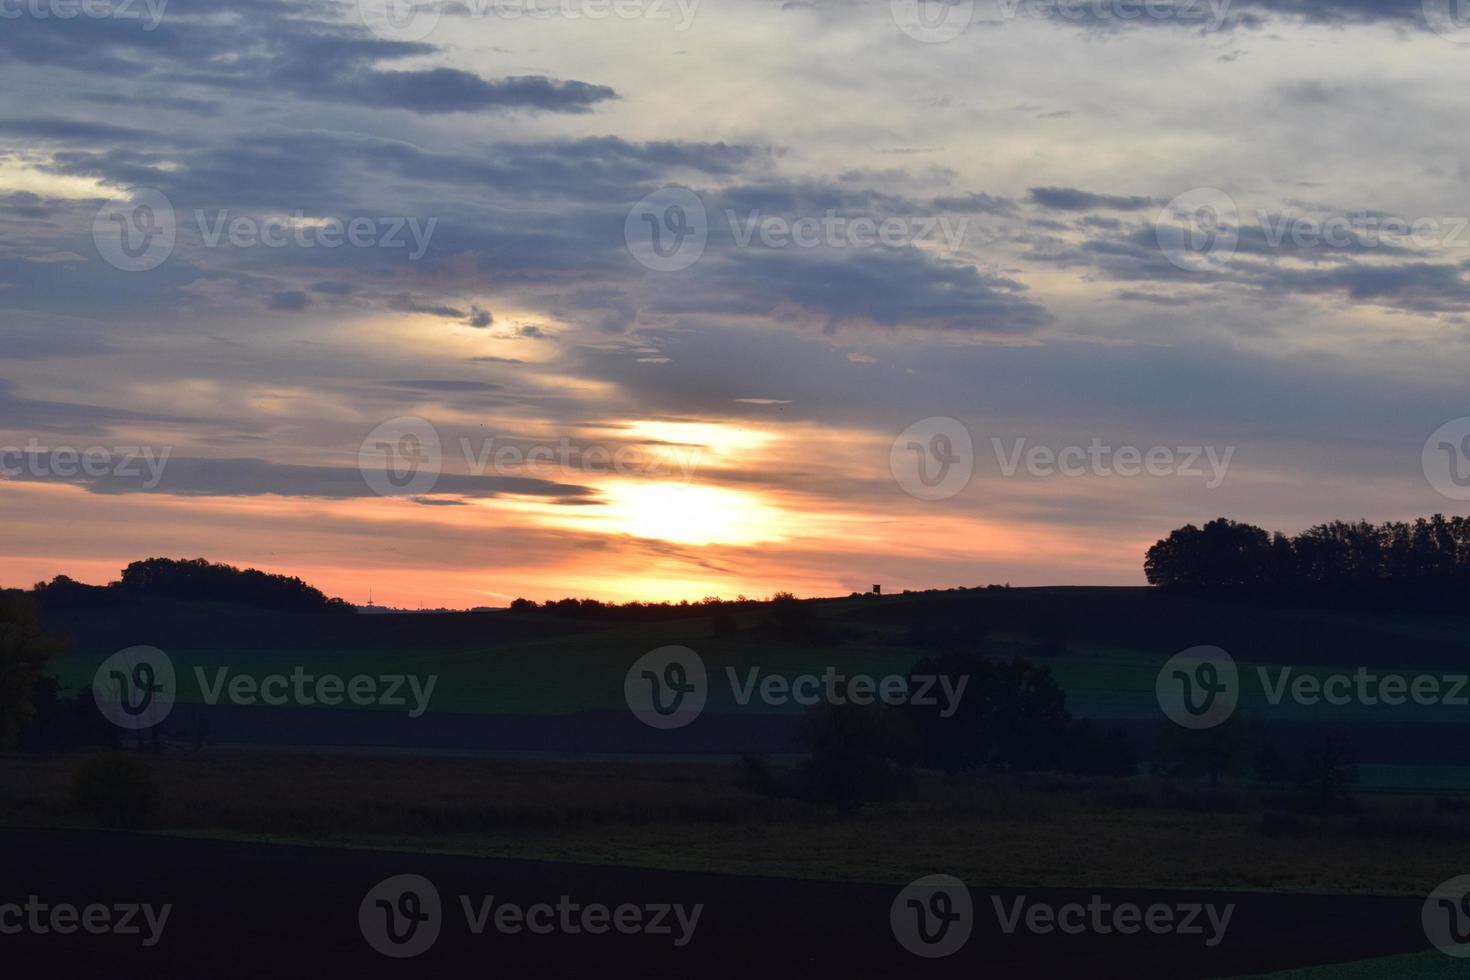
116,787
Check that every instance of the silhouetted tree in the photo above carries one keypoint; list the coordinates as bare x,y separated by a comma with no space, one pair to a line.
200,580
1426,560
1011,714
24,651
858,753
1328,772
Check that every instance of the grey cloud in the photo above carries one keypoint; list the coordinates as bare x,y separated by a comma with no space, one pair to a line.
897,287
1072,199
250,477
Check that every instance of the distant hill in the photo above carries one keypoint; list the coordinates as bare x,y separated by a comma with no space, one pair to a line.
191,580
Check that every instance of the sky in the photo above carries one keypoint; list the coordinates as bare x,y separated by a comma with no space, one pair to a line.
652,299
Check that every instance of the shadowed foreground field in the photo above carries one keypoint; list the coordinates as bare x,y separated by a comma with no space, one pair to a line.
1016,831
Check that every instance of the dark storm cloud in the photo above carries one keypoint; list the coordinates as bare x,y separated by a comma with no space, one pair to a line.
247,477
27,204
452,90
445,386
1361,264
54,128
291,301
281,49
975,204
198,107
22,414
884,287
1072,199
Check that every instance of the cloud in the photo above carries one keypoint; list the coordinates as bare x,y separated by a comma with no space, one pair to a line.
250,477
282,49
889,288
1072,199
291,300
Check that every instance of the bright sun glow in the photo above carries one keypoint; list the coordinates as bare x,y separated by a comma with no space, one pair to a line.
693,514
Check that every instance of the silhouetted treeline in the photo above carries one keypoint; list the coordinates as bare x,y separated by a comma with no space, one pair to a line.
641,611
194,579
1427,559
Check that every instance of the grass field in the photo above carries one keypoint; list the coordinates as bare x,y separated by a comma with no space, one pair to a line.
1038,831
